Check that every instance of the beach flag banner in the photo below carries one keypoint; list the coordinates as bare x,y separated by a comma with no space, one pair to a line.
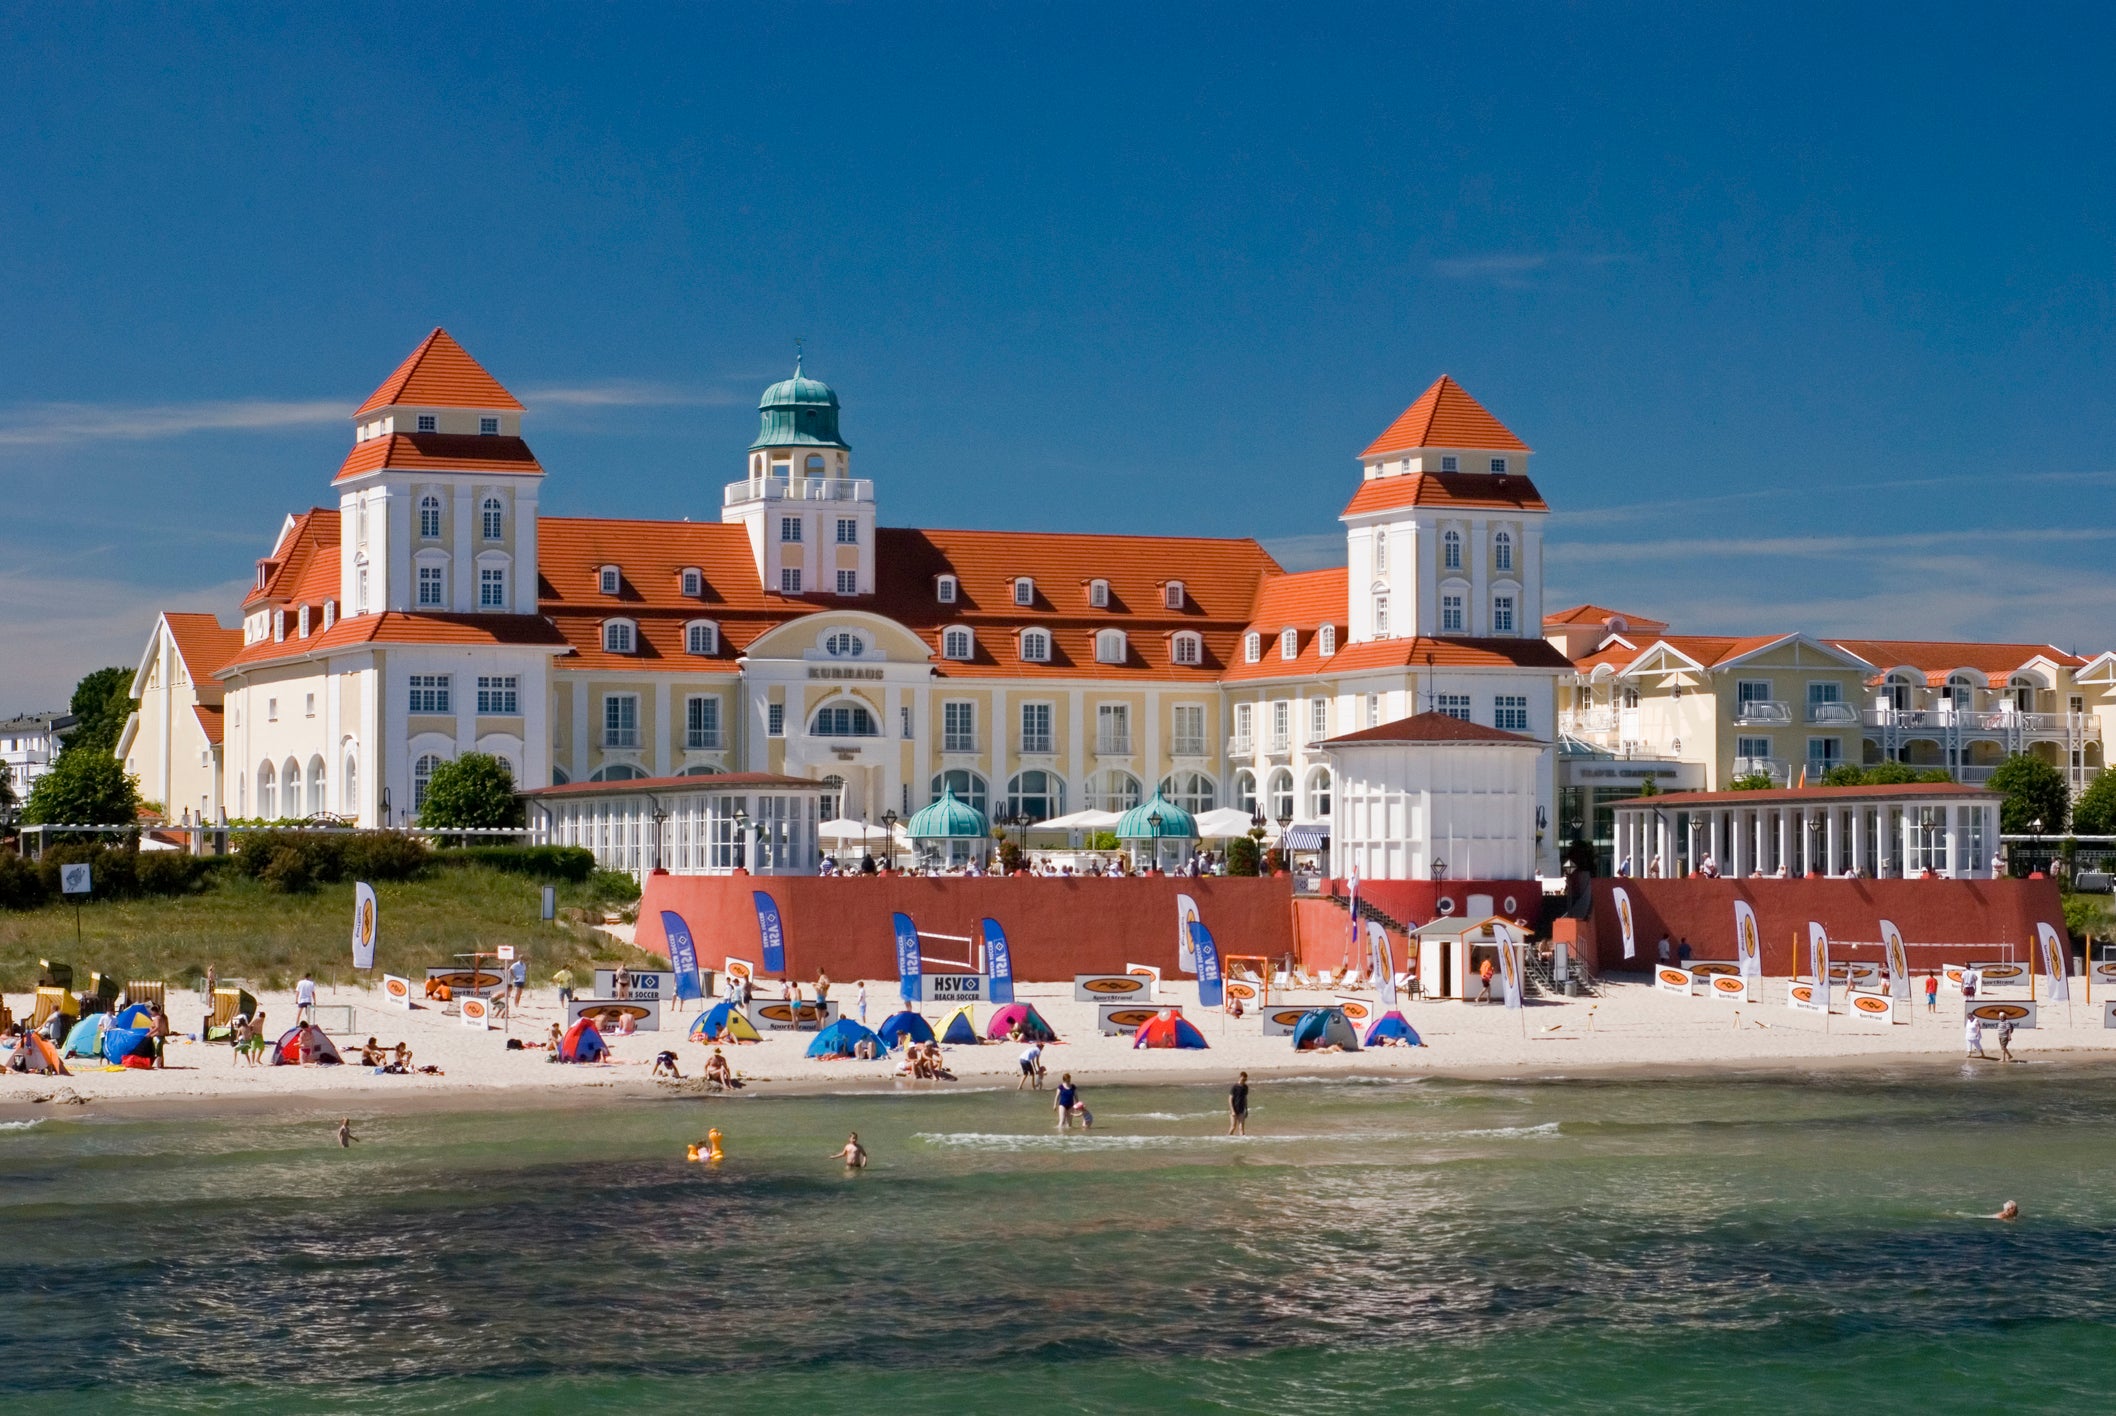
474,1012
999,963
363,926
771,930
1210,992
1384,965
1623,921
1898,961
1509,963
1748,940
1352,909
396,992
908,964
1818,957
683,955
1186,916
2054,952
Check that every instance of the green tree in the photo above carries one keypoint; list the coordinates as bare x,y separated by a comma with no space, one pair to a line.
1752,782
475,790
1889,774
7,793
84,789
1242,856
2034,791
1649,787
101,703
1844,775
2094,814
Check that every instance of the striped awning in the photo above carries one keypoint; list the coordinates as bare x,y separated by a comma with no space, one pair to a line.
1305,838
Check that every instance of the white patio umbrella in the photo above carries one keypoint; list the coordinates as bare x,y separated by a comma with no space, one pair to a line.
1085,820
844,831
1226,823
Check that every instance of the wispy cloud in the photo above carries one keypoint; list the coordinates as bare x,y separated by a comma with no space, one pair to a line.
54,424
1782,548
1518,270
59,626
629,394
1645,510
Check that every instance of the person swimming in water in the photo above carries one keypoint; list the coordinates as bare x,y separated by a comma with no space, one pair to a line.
2009,1211
853,1153
707,1150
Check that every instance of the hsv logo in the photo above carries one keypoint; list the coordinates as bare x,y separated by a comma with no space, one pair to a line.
1869,1004
474,1008
1131,1017
1354,1011
1805,992
1287,1017
1999,1012
780,1012
2003,973
396,988
1728,983
1114,986
1675,978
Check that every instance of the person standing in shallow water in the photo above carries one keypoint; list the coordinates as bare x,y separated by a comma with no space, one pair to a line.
852,1153
1238,1107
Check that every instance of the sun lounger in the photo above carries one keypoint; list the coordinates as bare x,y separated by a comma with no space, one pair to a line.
1352,982
1323,979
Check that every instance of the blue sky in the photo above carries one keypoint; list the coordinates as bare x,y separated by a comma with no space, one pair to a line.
1807,312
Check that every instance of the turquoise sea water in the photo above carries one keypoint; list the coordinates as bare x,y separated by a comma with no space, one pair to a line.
1589,1245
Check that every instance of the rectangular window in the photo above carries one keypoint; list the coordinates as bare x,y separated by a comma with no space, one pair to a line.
308,705
1502,614
958,732
492,588
1373,710
489,427
848,531
701,722
1036,727
1318,719
1498,465
608,578
944,590
1747,691
620,720
1452,705
775,720
1450,464
1825,693
1024,591
1113,728
1189,733
428,423
1098,594
701,639
500,693
848,582
1510,711
1281,725
429,693
1244,716
904,714
789,580
1752,747
1451,614
790,529
1822,754
430,587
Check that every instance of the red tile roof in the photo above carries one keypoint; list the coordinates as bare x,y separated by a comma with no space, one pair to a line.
440,374
1937,658
1469,490
440,452
1595,614
212,720
1445,416
1712,649
1797,795
1449,652
303,567
1430,727
397,627
716,782
204,645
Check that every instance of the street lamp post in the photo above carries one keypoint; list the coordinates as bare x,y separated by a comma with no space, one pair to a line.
889,820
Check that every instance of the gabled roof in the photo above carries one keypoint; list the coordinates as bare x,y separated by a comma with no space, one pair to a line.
212,720
440,452
1937,658
1431,727
651,557
440,374
303,566
1468,490
1596,614
204,645
1445,416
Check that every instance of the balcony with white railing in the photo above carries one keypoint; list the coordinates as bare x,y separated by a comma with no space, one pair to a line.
1999,722
1279,744
1113,744
1773,767
1037,745
620,737
811,489
1182,746
958,742
698,740
1833,715
1239,746
1763,712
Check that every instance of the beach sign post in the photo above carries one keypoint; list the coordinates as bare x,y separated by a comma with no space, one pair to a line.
1211,992
1623,920
1748,948
908,964
1186,916
363,925
999,962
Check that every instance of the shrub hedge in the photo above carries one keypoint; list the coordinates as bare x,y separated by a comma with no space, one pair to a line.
572,864
295,860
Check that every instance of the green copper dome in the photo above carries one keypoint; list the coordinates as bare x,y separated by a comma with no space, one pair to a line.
1158,818
947,819
798,412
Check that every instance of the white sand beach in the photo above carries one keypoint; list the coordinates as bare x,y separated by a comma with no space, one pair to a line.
1632,1027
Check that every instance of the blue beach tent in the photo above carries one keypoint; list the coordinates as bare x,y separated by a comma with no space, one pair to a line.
1324,1027
135,1015
121,1043
961,1030
86,1039
1392,1027
723,1023
897,1028
841,1037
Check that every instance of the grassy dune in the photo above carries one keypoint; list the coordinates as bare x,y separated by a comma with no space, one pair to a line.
247,930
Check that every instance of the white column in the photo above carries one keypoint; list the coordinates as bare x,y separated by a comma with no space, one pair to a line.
1858,840
1835,854
1910,843
1785,840
1957,818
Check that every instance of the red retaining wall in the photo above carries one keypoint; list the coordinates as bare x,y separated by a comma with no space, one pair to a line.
1970,919
1325,934
1055,927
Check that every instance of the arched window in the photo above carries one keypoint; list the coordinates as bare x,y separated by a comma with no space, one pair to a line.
1110,646
701,769
1899,692
495,518
814,465
701,637
267,792
1279,790
957,644
693,582
844,644
844,719
1113,790
1172,595
349,785
1193,791
969,788
429,517
1024,590
1319,795
617,772
1451,550
1502,551
1036,793
290,788
1035,646
618,636
422,778
559,775
1252,647
1098,594
1381,617
1187,648
318,799
1326,640
1245,790
1289,643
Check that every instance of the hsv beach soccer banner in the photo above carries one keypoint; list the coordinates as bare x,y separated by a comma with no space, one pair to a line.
1623,920
363,926
1186,916
1818,958
1898,961
999,963
908,966
1210,993
1384,965
1748,942
2054,952
771,931
683,954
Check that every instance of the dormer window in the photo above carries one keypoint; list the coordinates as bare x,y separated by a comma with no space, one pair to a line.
1098,594
1024,590
957,644
944,589
608,579
302,622
279,625
1326,640
1498,466
1289,643
701,637
619,636
330,613
1450,463
1110,646
1186,648
1252,648
1035,646
488,427
1172,595
428,423
693,583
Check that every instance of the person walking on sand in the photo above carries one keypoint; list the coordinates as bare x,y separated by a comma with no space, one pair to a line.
521,981
305,999
345,1133
862,1003
822,994
1932,992
1238,1106
1973,1038
1484,973
852,1153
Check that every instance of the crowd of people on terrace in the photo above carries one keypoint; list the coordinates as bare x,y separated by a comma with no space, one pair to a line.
1049,865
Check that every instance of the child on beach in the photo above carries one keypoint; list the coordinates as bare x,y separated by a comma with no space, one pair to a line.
1031,1067
852,1153
1932,993
1238,1107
